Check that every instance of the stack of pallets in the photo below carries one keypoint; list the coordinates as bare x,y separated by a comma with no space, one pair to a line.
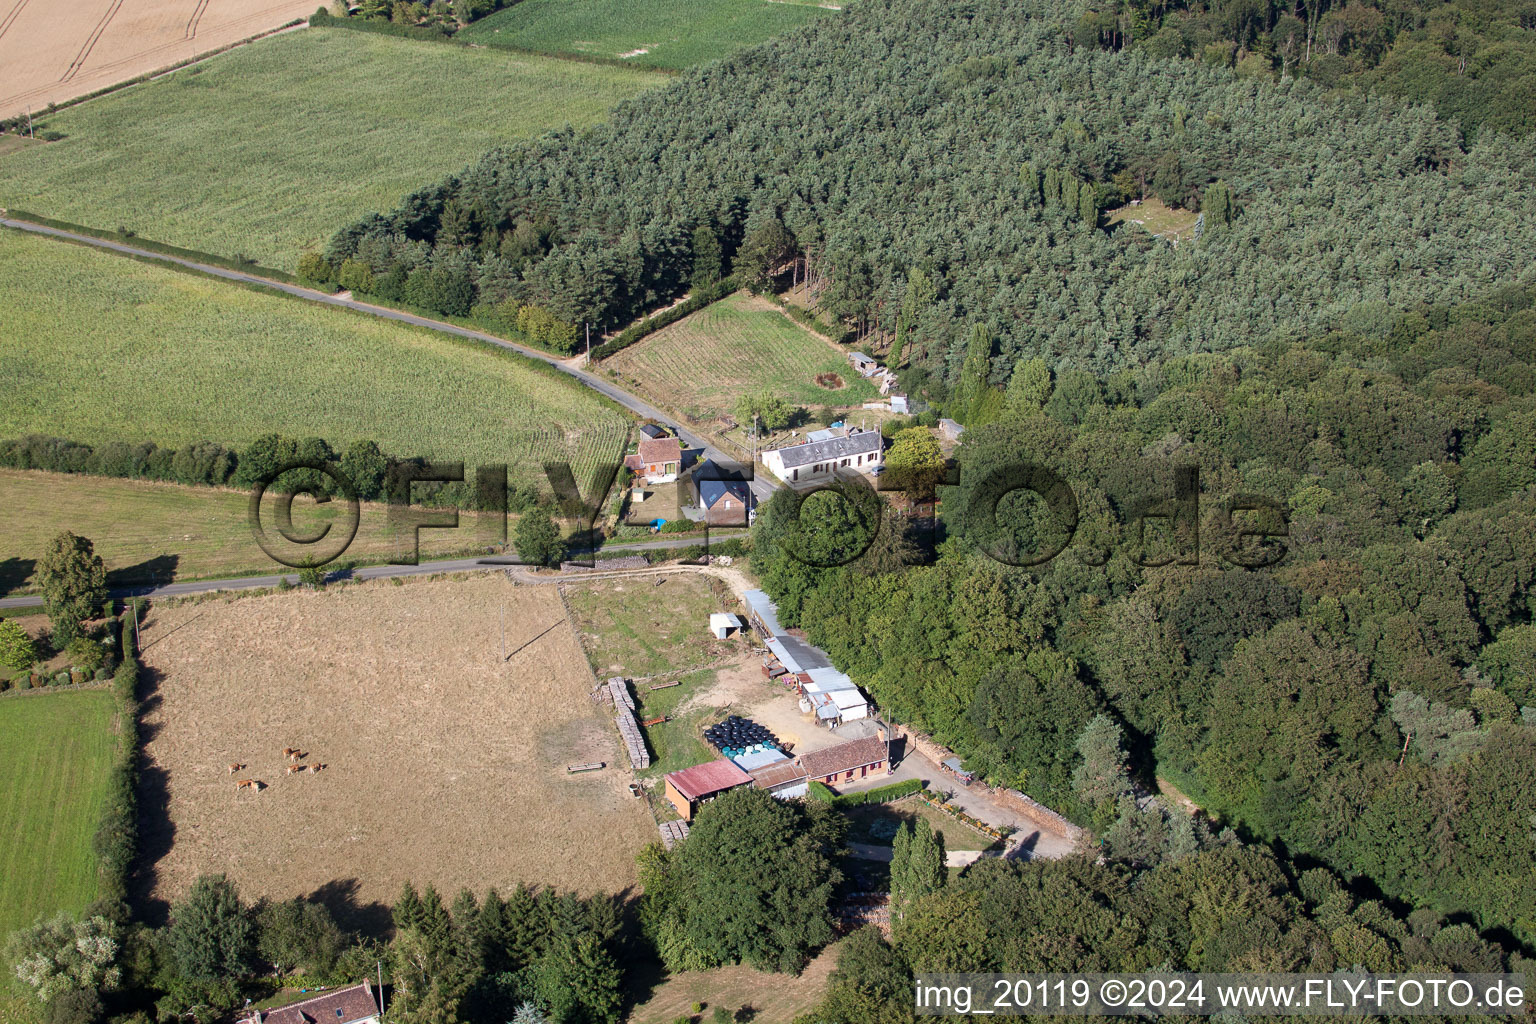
624,715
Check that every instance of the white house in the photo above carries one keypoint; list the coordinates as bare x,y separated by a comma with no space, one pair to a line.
817,462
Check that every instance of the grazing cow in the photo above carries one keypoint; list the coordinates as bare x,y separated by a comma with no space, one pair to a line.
317,767
296,755
235,766
294,768
255,784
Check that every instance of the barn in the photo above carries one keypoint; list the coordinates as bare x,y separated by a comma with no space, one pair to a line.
689,788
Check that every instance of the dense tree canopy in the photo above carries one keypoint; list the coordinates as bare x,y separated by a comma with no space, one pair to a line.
911,135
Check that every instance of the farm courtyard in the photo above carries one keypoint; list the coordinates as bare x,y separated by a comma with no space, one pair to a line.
445,765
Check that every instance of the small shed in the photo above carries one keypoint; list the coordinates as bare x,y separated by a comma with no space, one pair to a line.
864,364
953,764
723,624
688,788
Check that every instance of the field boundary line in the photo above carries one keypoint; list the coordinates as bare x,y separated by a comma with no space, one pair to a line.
106,90
761,486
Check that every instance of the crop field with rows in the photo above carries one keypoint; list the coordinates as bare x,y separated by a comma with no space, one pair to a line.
265,151
100,348
700,365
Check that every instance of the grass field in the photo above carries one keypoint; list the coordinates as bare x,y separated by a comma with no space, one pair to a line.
877,824
666,33
700,365
156,532
651,626
446,764
99,348
266,150
55,755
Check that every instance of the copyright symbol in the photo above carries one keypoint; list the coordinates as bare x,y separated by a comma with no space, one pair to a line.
1112,992
340,541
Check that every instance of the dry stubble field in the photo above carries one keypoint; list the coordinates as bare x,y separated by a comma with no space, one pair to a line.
444,764
55,50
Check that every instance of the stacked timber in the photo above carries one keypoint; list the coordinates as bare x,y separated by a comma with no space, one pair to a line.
629,728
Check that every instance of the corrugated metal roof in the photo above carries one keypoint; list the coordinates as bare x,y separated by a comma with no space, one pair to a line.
707,779
829,679
862,443
759,759
846,699
766,611
797,655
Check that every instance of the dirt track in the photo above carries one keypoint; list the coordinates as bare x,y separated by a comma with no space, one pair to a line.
444,764
55,50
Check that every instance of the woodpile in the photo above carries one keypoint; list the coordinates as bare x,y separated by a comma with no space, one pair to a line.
672,832
629,727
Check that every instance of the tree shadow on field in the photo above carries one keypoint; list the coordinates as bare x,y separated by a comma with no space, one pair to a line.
339,896
156,830
14,572
160,569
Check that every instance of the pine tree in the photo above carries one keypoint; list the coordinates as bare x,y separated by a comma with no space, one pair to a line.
1103,774
973,373
1088,207
1030,386
708,262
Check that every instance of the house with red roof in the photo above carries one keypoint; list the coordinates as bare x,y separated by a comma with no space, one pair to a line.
658,460
355,1005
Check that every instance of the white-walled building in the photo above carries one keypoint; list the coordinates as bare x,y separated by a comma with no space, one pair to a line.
817,462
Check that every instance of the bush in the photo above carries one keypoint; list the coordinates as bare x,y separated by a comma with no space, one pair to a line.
77,1006
85,654
313,267
312,576
822,792
17,650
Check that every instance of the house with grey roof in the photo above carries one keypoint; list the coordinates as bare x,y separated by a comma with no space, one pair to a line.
817,462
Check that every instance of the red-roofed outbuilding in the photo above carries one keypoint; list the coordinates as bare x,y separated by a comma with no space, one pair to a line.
692,786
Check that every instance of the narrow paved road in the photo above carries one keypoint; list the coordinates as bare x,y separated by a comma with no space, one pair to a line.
762,486
367,572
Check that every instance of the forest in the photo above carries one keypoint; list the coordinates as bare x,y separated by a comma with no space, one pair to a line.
939,167
1474,60
1366,702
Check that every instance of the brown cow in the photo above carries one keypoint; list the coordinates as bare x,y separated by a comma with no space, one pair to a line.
289,751
296,755
235,766
255,784
294,768
317,767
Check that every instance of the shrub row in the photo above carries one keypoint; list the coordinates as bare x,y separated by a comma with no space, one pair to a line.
820,791
695,302
116,838
693,552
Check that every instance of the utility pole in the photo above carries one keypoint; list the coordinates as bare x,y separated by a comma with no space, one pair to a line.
589,345
30,131
503,632
380,965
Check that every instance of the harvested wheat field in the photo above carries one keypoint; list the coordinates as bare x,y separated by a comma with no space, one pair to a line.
55,50
443,764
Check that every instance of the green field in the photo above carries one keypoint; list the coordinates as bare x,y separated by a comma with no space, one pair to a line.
650,627
266,150
99,348
665,33
55,755
147,531
700,365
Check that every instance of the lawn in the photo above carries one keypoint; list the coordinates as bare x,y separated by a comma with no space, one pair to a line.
265,151
156,532
651,626
55,756
679,742
99,348
664,33
700,365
